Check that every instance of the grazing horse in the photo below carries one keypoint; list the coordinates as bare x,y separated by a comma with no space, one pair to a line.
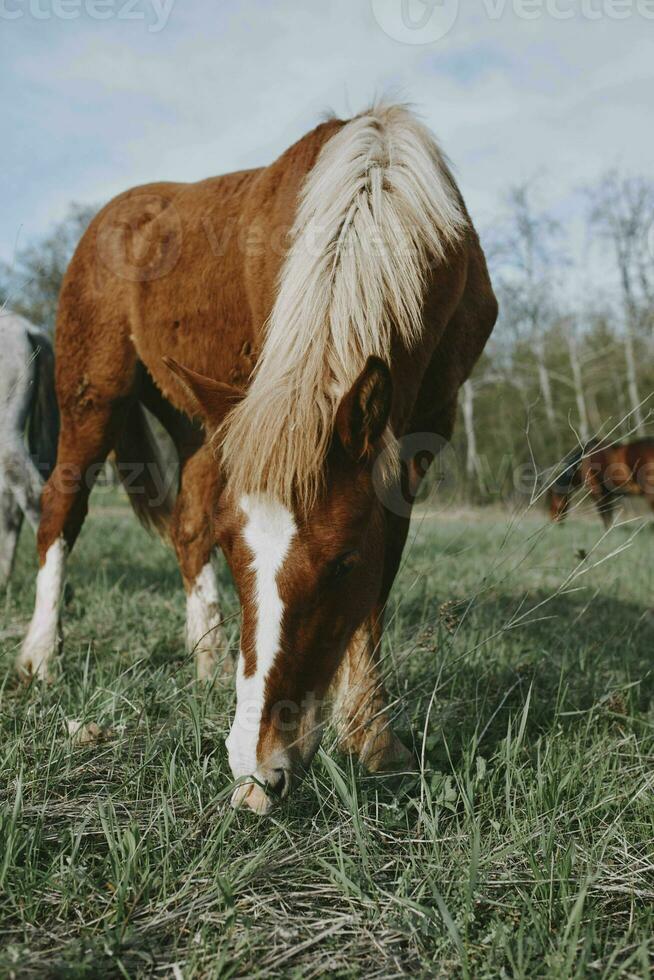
309,314
27,406
624,469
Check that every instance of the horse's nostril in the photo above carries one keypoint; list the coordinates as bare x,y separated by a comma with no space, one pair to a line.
277,782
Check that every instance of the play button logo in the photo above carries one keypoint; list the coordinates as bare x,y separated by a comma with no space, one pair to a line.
416,21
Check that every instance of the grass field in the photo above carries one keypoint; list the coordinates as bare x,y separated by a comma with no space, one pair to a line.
521,658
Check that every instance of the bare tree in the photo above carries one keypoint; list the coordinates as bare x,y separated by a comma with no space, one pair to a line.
527,259
476,467
577,378
622,211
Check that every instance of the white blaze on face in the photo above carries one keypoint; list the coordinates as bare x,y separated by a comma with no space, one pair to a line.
268,532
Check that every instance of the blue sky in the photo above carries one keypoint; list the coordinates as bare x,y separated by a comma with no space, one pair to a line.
181,89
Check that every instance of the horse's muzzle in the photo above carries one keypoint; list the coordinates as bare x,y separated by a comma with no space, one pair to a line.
261,791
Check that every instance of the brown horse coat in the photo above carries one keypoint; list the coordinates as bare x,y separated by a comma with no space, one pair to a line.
192,272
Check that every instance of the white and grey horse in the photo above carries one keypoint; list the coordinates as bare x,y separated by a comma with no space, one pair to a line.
29,424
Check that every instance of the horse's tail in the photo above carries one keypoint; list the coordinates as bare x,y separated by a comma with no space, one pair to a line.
43,425
377,211
148,477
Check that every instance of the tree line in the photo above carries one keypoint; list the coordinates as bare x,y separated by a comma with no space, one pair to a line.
571,357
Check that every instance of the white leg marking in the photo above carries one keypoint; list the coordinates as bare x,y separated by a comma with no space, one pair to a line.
204,635
43,633
268,533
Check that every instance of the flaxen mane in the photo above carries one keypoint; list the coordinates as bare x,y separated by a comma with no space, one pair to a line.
377,209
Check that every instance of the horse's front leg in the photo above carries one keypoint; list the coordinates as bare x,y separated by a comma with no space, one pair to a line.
360,702
360,708
194,543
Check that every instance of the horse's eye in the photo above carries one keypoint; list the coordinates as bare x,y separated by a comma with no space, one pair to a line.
343,565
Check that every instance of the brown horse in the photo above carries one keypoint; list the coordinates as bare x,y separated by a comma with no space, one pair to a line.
625,469
308,314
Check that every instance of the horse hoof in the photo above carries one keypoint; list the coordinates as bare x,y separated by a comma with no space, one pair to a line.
30,667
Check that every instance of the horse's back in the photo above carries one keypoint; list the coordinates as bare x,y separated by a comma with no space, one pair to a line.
639,451
181,269
624,468
192,270
640,460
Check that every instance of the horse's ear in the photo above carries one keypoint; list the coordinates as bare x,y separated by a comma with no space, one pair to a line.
364,411
214,399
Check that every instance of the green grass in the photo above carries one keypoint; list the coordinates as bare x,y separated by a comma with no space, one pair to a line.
524,672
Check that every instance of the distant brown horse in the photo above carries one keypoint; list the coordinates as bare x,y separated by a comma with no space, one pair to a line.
309,314
619,470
